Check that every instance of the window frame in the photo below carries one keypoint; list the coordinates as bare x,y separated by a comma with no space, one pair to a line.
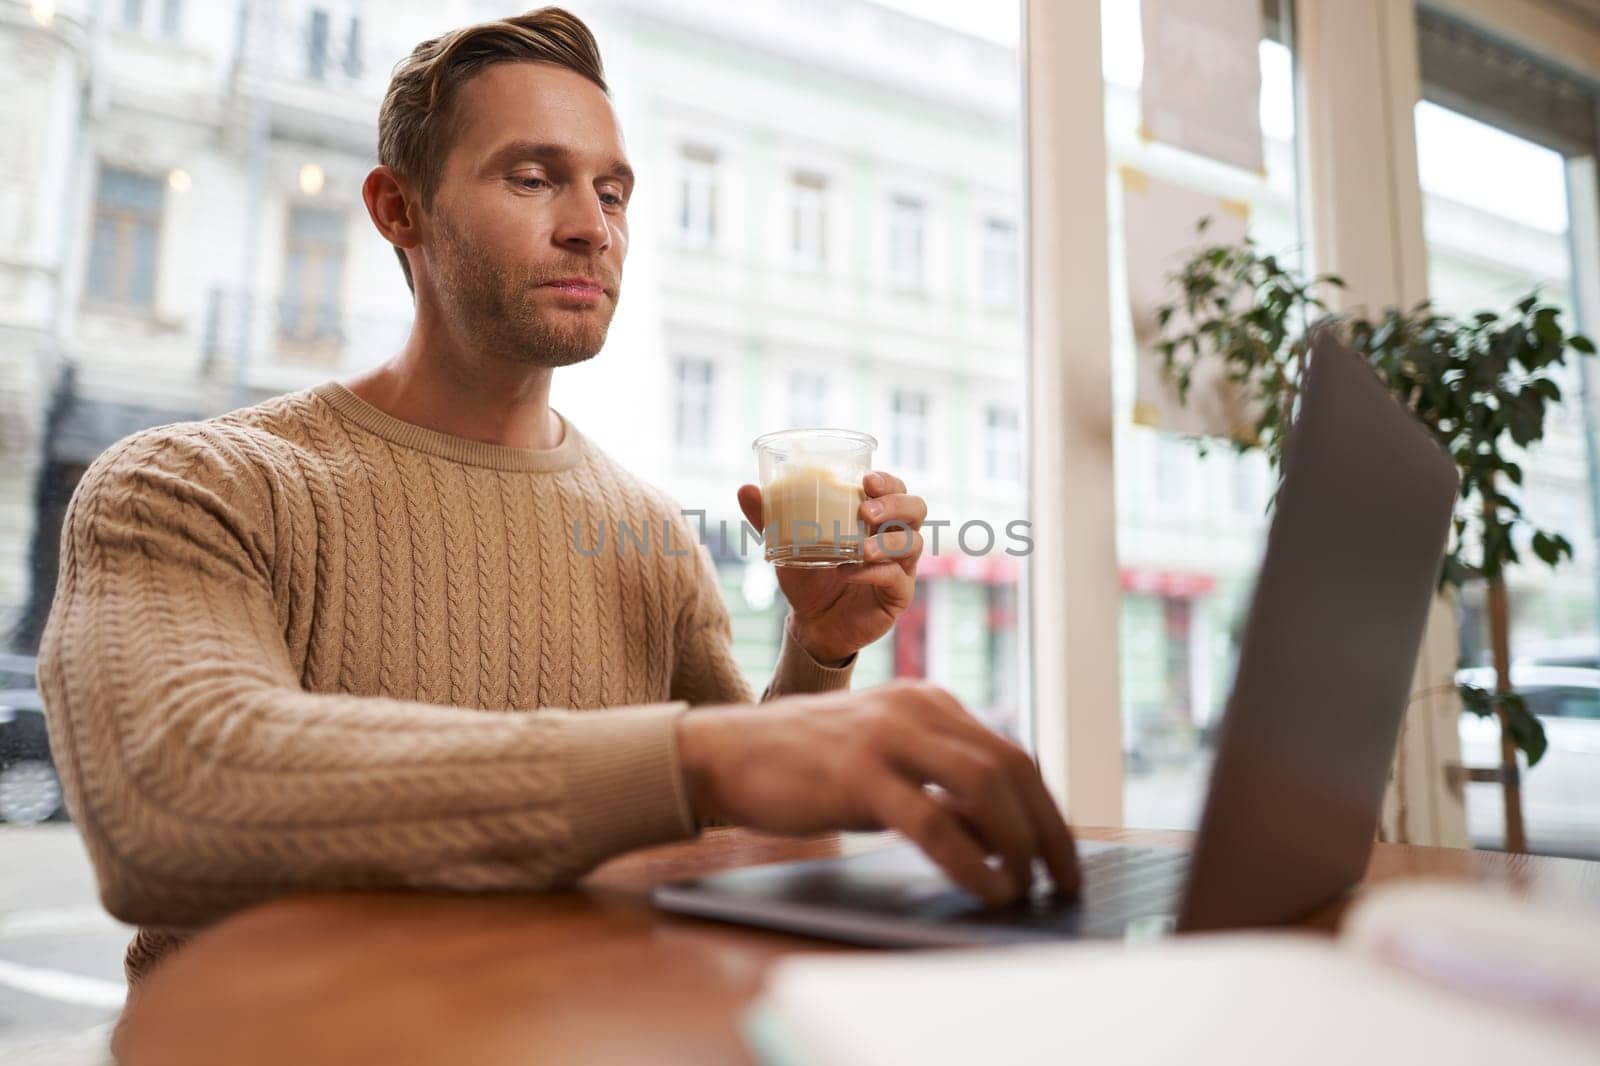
707,394
127,220
907,277
698,169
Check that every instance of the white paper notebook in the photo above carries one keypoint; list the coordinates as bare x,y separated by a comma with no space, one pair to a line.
1423,974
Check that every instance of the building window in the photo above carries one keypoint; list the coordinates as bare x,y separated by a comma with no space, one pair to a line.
127,222
808,400
1247,485
352,49
999,262
313,277
1002,446
328,53
905,243
165,17
908,436
694,406
809,226
697,195
318,44
1169,463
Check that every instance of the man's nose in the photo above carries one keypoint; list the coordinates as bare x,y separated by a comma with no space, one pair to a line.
583,225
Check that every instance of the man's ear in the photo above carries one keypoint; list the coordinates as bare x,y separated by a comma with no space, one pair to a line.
393,207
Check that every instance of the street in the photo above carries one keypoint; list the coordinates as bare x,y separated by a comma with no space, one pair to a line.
61,981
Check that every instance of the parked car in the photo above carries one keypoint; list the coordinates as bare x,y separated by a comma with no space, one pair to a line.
1561,795
30,791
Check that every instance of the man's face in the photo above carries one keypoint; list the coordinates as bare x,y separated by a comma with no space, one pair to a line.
534,191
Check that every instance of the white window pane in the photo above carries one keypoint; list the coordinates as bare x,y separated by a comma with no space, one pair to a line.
1498,224
906,244
1187,546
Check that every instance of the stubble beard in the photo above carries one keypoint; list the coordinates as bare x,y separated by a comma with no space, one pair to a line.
497,312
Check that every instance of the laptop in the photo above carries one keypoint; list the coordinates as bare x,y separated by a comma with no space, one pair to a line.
1303,751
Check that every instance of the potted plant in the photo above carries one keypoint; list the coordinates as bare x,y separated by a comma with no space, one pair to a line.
1482,384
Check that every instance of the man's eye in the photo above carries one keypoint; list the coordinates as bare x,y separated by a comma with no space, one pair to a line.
531,183
614,200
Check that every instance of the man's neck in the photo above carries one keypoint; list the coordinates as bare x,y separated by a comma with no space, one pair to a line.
486,400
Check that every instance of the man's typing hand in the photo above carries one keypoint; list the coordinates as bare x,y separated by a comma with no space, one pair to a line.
862,761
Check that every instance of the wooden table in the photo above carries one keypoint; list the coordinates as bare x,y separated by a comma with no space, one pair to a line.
592,975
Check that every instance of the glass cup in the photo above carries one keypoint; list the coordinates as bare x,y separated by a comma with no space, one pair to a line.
811,495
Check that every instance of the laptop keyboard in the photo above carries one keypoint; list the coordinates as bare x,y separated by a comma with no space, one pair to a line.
1119,884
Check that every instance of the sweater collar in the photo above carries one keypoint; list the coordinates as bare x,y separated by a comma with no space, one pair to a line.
456,449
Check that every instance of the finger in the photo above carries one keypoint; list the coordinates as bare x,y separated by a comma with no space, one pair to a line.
909,810
894,507
750,504
896,587
895,545
882,483
888,575
1055,836
984,789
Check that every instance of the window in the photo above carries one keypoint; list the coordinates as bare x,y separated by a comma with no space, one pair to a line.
330,54
1566,702
905,244
352,49
1187,564
1499,223
808,238
908,441
999,262
313,277
1002,446
1246,483
318,44
697,196
1168,483
694,405
127,223
165,17
808,400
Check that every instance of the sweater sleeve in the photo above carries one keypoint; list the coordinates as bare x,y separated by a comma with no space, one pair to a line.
204,778
706,671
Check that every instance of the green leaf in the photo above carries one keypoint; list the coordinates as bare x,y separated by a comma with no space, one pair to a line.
1478,701
1524,729
1580,343
1545,548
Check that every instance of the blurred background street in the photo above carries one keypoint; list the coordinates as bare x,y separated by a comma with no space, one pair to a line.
60,952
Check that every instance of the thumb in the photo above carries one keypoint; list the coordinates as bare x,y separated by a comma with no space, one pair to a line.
750,504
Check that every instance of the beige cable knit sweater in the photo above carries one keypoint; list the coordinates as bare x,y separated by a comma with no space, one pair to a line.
306,645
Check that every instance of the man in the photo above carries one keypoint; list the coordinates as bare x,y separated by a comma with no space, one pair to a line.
344,638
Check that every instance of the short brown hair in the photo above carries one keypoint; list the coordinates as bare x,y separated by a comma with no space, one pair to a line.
416,122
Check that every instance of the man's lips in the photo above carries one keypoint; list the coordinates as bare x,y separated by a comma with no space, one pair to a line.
576,287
